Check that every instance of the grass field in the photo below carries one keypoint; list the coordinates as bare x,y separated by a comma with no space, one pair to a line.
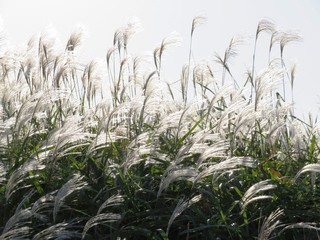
110,150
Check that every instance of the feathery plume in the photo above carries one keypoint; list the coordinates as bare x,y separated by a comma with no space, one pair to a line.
58,231
303,225
275,38
22,174
175,175
313,167
18,220
76,38
287,37
74,184
267,81
173,39
265,26
229,53
250,195
91,80
101,218
43,206
197,21
22,233
184,81
270,224
70,133
216,150
134,26
226,165
115,200
181,206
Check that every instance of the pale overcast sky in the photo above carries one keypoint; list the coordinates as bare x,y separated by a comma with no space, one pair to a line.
159,18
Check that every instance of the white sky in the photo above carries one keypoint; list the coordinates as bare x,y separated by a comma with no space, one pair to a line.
159,18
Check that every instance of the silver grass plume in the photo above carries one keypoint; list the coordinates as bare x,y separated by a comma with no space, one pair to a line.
200,145
137,77
172,40
292,77
118,39
170,121
139,147
21,174
245,119
185,123
133,26
270,224
221,168
72,132
296,133
101,218
229,53
251,194
74,184
124,34
197,21
313,168
43,206
303,225
267,81
37,103
22,233
91,80
184,81
287,37
275,38
204,76
58,231
75,39
18,220
15,94
218,149
186,120
236,102
115,200
181,206
46,54
193,145
175,175
223,91
265,25
66,74
110,53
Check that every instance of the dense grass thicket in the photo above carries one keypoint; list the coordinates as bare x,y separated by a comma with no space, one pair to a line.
88,153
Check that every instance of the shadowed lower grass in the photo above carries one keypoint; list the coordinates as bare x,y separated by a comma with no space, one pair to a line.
125,155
